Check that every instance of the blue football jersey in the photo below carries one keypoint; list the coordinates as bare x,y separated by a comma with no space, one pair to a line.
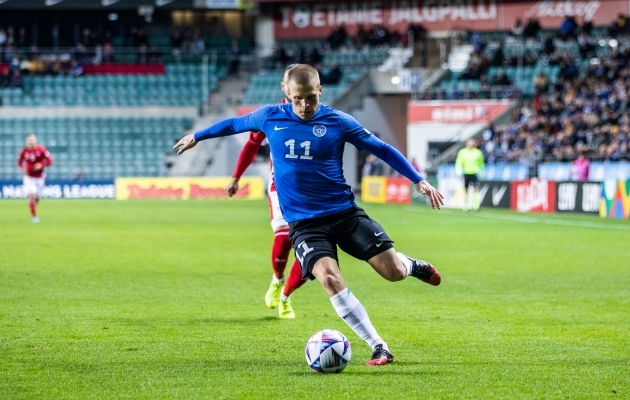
307,156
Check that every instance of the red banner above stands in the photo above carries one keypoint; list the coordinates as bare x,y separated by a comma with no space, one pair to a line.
533,195
455,112
242,110
318,19
124,69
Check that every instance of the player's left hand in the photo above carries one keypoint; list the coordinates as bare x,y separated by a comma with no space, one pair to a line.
37,166
186,143
436,198
232,187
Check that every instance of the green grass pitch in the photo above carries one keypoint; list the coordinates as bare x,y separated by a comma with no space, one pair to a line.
160,299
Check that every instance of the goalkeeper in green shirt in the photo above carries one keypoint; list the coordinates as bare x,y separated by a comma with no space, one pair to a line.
470,163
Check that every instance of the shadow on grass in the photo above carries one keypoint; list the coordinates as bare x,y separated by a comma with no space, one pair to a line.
195,321
368,371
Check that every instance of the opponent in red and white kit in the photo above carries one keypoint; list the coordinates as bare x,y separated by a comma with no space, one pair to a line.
279,292
32,161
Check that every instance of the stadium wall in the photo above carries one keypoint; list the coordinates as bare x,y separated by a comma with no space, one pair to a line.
447,121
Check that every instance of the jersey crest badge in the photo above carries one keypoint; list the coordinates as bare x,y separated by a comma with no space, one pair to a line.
319,130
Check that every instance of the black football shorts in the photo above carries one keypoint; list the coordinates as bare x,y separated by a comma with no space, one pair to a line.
471,180
352,230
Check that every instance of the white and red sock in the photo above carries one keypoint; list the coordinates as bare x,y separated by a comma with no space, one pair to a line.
293,282
280,252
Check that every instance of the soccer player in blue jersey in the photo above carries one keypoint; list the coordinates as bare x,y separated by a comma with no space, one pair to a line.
307,140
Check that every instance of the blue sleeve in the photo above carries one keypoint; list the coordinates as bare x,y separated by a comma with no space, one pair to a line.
251,122
363,139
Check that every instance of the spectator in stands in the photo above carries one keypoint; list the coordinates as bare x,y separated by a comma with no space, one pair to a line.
280,57
234,59
373,166
21,40
86,38
584,44
154,55
6,78
568,28
333,77
518,29
360,39
541,83
142,54
75,68
548,46
531,28
415,165
498,58
337,37
3,37
312,56
8,53
176,42
98,54
619,26
10,36
501,79
299,54
587,26
379,35
81,53
580,167
16,79
199,44
79,175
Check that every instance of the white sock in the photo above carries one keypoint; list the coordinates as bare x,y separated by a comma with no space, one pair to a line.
276,280
354,314
406,262
283,297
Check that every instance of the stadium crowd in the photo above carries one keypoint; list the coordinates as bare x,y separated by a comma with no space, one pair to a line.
584,112
19,56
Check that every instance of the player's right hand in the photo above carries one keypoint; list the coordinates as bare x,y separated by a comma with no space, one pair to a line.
37,166
435,197
187,142
232,187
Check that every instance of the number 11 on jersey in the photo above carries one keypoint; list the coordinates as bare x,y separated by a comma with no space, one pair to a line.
306,145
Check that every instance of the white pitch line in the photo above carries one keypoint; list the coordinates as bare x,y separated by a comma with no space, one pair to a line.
535,220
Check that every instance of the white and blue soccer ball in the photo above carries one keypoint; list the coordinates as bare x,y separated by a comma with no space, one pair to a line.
328,351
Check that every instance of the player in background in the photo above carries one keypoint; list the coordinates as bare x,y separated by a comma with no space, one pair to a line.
32,161
307,141
278,293
470,163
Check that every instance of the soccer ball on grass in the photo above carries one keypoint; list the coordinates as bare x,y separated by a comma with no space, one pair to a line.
328,351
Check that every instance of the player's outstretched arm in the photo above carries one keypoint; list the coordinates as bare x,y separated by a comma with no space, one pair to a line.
436,198
230,126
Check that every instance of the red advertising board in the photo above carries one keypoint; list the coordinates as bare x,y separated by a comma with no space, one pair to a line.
398,191
533,195
316,19
455,112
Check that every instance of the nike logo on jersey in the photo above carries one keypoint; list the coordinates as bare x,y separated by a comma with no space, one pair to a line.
378,234
52,2
379,245
276,128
